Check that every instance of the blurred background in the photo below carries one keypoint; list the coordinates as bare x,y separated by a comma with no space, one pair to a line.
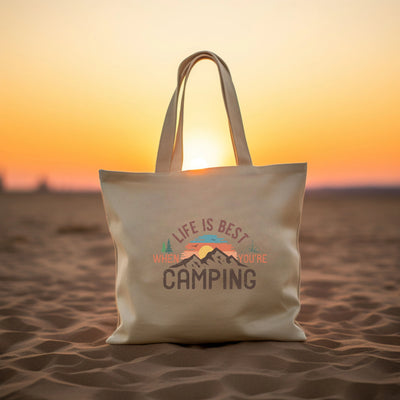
84,85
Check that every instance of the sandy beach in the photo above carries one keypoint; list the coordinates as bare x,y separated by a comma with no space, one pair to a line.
57,308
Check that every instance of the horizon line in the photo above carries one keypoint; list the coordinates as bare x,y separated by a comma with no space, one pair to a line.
316,188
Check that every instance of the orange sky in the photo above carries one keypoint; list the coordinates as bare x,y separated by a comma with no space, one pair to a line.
84,85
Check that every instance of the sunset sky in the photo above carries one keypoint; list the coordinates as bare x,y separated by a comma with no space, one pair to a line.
84,85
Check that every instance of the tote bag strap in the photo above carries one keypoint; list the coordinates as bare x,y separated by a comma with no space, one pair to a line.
170,158
238,137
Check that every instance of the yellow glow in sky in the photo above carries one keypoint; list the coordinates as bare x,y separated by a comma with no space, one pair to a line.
84,85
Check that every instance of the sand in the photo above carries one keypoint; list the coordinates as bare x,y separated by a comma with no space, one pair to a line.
57,308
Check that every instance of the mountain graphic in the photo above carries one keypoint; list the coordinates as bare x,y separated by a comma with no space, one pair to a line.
214,259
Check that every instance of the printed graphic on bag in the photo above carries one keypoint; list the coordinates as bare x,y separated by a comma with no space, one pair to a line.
209,261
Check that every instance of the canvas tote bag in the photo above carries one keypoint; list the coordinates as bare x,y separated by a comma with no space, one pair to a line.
205,255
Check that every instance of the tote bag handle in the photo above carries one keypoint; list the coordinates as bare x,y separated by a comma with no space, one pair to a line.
238,137
170,158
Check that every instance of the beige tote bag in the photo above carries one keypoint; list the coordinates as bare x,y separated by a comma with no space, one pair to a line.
206,255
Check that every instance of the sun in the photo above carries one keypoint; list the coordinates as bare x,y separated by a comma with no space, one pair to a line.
204,149
204,251
198,163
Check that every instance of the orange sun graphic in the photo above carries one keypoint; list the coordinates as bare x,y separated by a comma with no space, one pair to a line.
204,250
202,245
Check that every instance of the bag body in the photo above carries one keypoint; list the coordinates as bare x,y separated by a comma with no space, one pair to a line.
205,255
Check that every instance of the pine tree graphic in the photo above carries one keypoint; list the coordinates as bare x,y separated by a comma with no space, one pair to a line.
253,249
163,248
169,248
